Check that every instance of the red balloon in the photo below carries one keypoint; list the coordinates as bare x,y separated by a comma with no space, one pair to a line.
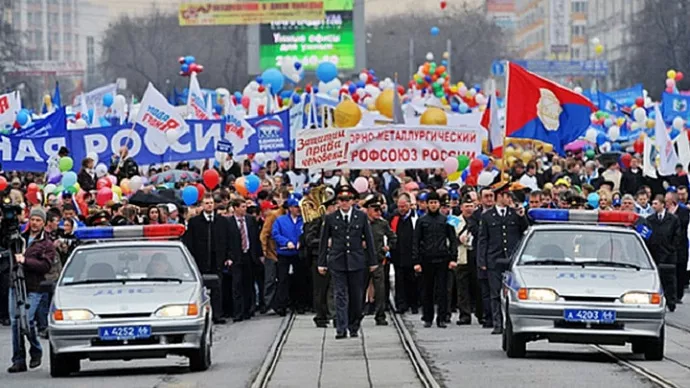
444,4
679,76
638,146
639,101
3,183
103,182
193,68
626,158
211,178
33,197
32,188
245,102
471,180
77,115
261,110
261,88
401,89
669,90
199,69
476,166
202,190
104,195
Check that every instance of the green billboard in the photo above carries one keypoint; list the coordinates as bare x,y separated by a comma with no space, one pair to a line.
311,42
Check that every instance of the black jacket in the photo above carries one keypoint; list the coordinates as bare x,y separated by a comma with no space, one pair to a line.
665,238
86,181
631,182
404,229
235,237
342,245
683,215
39,258
309,240
498,236
208,243
434,240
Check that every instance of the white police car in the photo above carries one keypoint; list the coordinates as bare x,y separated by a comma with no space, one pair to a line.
577,280
123,299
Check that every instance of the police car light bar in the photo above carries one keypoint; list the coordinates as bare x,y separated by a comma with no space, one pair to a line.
136,232
611,217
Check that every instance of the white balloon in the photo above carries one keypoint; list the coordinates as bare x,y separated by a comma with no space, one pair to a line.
430,56
614,132
678,123
101,170
606,147
372,90
135,183
93,156
640,114
578,90
595,41
647,102
284,154
293,73
80,124
485,178
473,92
635,125
49,188
223,92
119,103
591,135
361,92
172,135
260,157
481,100
364,77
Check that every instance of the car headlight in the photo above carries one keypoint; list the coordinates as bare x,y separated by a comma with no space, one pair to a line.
537,294
72,315
641,298
178,310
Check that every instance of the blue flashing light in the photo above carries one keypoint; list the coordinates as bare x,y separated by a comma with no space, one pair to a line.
549,215
95,233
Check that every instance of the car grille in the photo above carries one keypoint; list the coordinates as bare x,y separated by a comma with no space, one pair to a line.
562,324
595,299
130,315
153,340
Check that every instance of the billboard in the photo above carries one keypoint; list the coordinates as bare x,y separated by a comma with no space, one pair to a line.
252,12
559,26
500,6
310,42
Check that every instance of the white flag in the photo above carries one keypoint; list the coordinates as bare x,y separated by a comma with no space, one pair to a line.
9,108
664,145
163,125
209,106
683,149
196,107
648,164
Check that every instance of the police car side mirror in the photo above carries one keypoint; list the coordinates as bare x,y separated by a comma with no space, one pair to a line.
210,280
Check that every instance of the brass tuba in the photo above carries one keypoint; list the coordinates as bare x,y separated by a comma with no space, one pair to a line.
312,204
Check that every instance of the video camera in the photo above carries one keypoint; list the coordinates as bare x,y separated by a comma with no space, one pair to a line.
9,227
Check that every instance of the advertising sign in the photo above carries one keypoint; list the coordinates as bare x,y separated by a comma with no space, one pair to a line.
251,12
311,42
559,26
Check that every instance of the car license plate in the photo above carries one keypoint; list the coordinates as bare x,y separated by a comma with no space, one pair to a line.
114,333
592,316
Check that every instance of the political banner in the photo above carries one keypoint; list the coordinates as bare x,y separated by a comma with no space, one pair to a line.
94,99
227,13
321,149
30,149
160,119
675,105
402,146
196,106
272,133
627,96
9,107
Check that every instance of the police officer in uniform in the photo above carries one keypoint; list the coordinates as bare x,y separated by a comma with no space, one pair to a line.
345,236
500,230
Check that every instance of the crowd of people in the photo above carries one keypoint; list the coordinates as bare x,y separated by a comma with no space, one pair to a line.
443,240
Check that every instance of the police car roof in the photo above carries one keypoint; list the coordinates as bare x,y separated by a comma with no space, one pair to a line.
129,244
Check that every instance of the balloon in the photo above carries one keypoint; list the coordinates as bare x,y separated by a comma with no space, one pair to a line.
463,108
33,197
591,135
626,158
101,170
433,116
485,159
124,185
608,122
245,102
639,101
678,123
593,200
108,100
590,154
190,195
638,146
476,166
32,188
117,190
252,183
679,76
113,180
104,195
454,176
450,165
347,114
464,175
640,114
578,90
471,180
670,83
599,49
49,188
135,183
201,189
69,178
384,103
292,70
274,78
103,182
361,184
527,156
614,133
326,72
3,183
65,163
463,162
211,178
241,186
671,74
22,117
189,59
434,31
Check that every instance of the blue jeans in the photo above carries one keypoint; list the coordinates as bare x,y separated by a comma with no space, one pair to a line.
43,309
18,346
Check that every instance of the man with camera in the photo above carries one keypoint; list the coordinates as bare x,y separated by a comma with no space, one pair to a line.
36,262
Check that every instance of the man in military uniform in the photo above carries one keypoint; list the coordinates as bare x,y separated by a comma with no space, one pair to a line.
345,236
323,298
500,230
466,230
384,240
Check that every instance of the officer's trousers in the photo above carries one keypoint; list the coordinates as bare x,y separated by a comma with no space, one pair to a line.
348,292
435,280
495,285
379,292
323,295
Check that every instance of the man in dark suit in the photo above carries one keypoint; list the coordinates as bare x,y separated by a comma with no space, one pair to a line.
683,214
245,251
663,244
345,236
500,231
206,239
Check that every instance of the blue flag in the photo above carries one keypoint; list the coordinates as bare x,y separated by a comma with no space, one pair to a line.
675,105
57,100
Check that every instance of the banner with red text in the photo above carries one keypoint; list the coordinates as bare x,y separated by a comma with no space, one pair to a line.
402,146
321,149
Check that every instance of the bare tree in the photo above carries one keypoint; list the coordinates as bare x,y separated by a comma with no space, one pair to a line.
145,49
10,46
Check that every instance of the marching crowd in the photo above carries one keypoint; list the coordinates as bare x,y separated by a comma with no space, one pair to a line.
310,242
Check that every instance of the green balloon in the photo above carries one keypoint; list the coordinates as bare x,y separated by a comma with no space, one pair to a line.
66,163
589,154
59,190
72,189
463,162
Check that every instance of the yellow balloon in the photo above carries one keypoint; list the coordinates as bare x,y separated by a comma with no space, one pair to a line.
77,186
347,114
444,101
509,151
499,164
548,148
620,121
453,89
527,156
671,74
599,49
117,190
454,176
650,123
371,107
511,160
434,116
384,103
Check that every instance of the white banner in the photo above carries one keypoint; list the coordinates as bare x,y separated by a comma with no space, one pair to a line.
94,99
163,125
321,149
9,107
403,146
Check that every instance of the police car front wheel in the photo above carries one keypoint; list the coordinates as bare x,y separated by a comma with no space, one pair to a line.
62,365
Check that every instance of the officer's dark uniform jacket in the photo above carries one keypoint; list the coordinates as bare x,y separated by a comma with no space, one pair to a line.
663,241
342,245
434,240
498,236
381,229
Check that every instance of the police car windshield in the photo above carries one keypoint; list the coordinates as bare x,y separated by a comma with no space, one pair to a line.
124,264
600,248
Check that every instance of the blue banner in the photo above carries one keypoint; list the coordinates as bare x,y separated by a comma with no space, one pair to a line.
673,105
626,97
594,68
609,104
272,133
30,149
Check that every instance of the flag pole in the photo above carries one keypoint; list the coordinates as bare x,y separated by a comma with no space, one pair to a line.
503,152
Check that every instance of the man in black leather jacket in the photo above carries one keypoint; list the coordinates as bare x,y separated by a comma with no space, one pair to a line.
433,248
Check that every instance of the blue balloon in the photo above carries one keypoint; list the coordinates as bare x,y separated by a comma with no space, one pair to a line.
361,84
352,88
601,138
190,195
104,122
218,108
651,114
464,174
22,117
477,87
484,159
326,72
184,68
259,80
89,118
593,200
674,133
238,96
307,98
69,178
608,122
464,108
296,98
108,100
252,183
298,65
616,147
454,106
427,78
316,90
372,72
444,62
274,78
434,31
189,59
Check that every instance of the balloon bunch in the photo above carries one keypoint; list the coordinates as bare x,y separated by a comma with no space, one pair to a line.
598,47
23,119
249,185
461,167
672,77
188,66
